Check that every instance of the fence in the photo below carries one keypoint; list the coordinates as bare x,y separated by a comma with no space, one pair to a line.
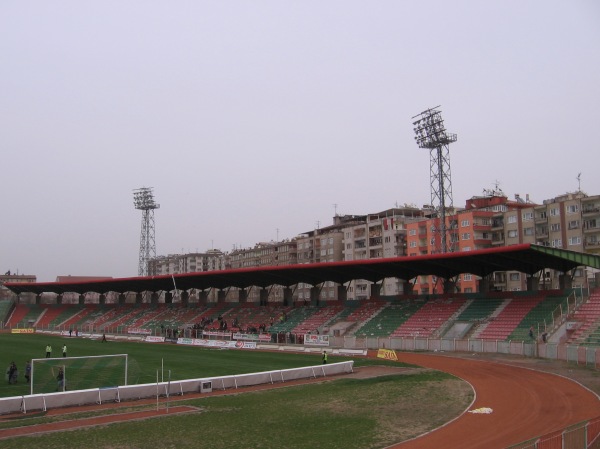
583,435
133,392
582,355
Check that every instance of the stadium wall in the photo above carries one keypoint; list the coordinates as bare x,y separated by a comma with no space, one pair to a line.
47,401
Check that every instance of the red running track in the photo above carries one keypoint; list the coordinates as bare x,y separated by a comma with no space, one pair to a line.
525,404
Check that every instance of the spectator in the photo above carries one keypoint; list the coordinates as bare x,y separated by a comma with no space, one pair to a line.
12,373
27,371
60,378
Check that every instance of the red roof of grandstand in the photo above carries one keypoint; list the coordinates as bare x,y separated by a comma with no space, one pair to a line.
525,258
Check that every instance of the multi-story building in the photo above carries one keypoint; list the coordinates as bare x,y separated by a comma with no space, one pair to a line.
379,235
11,277
266,254
570,221
479,225
211,260
590,216
323,245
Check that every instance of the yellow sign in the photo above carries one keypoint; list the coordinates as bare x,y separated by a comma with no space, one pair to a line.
387,354
29,330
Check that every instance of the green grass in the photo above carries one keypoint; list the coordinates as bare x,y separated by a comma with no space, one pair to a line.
184,362
345,413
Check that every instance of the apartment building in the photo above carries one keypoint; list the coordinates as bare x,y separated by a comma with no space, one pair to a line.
211,260
478,226
12,277
323,245
265,254
570,222
379,235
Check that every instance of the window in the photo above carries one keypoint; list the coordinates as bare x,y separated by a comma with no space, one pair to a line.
413,244
574,240
466,249
557,243
572,209
515,276
574,224
512,234
412,232
464,223
553,212
554,227
527,216
467,277
466,236
528,231
512,218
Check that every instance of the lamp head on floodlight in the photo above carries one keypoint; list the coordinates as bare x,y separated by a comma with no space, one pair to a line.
143,199
430,131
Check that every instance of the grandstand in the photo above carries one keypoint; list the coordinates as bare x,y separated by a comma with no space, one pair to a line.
493,316
588,319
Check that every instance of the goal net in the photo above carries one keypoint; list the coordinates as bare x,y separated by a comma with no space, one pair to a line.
80,373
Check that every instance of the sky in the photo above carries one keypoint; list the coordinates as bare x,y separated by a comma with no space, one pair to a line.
257,121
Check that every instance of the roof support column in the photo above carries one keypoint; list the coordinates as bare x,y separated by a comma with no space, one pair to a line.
38,298
315,293
168,298
102,298
264,297
242,295
221,294
138,298
407,287
533,284
59,298
565,281
375,290
154,298
121,298
288,296
484,285
185,297
342,292
81,299
202,297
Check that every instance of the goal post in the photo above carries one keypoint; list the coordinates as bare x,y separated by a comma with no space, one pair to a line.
79,373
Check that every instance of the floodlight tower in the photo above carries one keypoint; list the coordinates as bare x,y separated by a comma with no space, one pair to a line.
143,199
431,133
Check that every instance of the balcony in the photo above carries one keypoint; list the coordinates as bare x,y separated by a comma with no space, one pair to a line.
590,210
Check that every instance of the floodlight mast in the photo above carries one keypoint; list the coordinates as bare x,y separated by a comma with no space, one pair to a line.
431,133
143,199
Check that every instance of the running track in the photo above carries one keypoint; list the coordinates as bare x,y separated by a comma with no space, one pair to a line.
525,404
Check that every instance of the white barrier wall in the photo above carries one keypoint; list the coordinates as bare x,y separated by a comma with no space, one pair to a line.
47,401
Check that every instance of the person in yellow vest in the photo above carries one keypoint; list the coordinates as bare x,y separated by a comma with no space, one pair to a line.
324,358
64,350
48,351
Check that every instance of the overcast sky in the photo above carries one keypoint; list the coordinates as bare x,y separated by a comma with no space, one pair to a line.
256,120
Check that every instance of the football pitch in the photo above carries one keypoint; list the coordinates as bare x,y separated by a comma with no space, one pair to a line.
178,361
342,413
